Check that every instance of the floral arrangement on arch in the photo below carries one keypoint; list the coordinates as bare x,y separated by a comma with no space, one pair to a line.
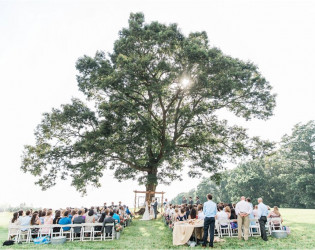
118,227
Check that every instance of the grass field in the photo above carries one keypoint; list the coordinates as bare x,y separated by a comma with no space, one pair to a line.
154,235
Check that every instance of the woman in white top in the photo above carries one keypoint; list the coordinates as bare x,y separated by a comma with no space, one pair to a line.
89,219
201,215
14,222
222,217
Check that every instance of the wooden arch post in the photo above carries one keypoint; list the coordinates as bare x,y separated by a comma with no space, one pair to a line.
148,192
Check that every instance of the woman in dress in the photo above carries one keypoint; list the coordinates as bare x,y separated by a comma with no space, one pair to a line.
14,222
48,220
35,221
182,215
56,221
275,214
146,215
89,219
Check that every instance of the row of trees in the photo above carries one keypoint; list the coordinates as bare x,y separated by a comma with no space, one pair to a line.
285,178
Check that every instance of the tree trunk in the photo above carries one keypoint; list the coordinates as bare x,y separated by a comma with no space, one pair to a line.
149,196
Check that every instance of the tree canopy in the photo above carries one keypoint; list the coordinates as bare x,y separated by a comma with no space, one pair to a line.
155,98
284,179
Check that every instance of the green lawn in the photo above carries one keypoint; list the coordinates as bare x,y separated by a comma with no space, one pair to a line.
153,234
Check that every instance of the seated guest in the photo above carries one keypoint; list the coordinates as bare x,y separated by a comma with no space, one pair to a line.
35,221
89,219
42,216
56,221
275,214
14,222
227,209
116,216
201,215
78,220
74,213
182,215
48,220
25,220
255,212
108,220
222,217
65,220
193,214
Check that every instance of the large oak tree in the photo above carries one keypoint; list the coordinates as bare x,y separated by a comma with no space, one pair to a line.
155,102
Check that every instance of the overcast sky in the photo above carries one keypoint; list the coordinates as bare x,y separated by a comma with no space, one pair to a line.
40,42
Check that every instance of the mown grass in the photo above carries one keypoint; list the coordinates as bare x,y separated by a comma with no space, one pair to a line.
155,235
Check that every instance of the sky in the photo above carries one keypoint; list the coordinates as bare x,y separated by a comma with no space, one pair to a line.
40,41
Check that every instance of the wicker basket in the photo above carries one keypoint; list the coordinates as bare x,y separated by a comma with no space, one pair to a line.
279,234
58,240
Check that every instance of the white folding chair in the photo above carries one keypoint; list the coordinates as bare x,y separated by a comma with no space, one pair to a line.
76,235
112,235
66,233
233,231
23,235
254,227
97,229
13,232
55,230
87,229
275,224
224,227
268,227
33,231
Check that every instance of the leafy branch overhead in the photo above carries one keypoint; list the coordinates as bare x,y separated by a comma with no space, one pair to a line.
156,98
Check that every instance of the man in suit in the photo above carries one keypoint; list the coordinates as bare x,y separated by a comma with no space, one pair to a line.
78,220
197,201
155,205
184,201
108,220
191,202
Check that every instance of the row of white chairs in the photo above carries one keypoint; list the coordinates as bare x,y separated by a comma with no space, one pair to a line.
88,232
224,228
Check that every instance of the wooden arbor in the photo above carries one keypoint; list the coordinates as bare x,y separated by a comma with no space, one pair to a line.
148,192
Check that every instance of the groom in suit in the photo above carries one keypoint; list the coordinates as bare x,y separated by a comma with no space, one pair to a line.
155,205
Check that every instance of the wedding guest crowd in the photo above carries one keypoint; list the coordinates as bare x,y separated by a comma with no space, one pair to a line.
238,215
105,214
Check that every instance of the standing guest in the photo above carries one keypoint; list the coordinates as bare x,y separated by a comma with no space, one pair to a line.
191,202
65,220
14,222
201,215
48,220
56,221
155,206
243,209
210,211
262,218
184,201
197,201
105,205
187,211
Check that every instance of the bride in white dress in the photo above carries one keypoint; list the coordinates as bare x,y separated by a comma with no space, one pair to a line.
146,215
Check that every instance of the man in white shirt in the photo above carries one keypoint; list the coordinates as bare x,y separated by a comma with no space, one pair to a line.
243,209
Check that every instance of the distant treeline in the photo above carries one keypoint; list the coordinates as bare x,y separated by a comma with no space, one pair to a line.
22,206
286,178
